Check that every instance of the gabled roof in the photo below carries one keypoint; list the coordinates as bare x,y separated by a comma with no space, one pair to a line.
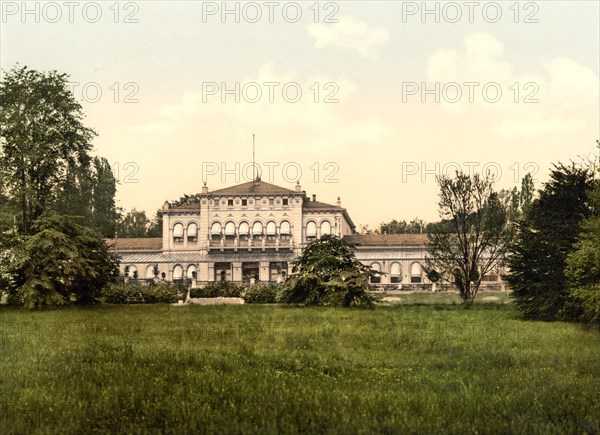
135,244
370,240
258,187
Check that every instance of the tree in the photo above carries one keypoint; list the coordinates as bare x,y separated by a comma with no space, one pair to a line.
365,230
44,142
583,268
546,235
133,224
62,262
328,273
473,236
103,207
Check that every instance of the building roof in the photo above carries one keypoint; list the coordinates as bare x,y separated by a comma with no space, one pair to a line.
253,188
316,205
136,244
195,206
372,240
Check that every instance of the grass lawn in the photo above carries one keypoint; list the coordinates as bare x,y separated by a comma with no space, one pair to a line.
400,369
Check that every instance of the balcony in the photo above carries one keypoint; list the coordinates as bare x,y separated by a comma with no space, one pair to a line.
262,243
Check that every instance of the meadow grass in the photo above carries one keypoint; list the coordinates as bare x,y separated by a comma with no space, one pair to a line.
272,369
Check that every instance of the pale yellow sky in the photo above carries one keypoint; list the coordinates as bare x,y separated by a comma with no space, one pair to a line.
390,94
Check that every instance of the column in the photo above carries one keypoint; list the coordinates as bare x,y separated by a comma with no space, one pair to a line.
237,271
263,271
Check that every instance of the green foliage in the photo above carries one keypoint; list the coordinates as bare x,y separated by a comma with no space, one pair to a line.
133,224
155,293
583,268
328,273
217,289
546,236
416,226
62,262
162,293
103,206
473,235
45,146
261,294
117,293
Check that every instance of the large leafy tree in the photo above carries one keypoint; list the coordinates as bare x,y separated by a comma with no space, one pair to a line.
328,273
546,235
62,262
45,146
472,237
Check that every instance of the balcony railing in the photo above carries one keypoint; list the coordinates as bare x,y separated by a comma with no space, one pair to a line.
251,243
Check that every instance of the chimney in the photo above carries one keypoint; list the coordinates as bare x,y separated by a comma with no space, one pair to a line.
204,188
339,202
298,188
314,198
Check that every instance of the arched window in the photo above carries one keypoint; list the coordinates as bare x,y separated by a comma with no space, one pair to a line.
284,228
230,229
311,229
192,231
150,271
376,279
191,271
178,272
271,228
131,272
244,228
395,273
178,232
325,228
215,229
415,273
257,229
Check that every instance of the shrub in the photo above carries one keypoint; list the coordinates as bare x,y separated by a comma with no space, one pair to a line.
119,292
261,294
224,289
151,294
162,293
586,301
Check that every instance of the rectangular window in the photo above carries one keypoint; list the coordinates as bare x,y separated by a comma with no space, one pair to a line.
230,202
244,202
285,201
271,201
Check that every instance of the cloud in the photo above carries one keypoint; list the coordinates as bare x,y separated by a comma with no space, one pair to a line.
349,35
481,58
534,126
556,99
309,125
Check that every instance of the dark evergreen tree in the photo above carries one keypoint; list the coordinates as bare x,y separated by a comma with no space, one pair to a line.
545,238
